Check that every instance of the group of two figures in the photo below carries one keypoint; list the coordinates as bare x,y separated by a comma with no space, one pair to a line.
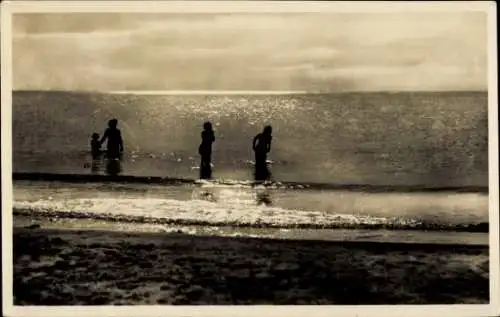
261,146
114,148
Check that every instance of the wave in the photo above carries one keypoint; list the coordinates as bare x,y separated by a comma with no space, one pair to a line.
234,212
88,178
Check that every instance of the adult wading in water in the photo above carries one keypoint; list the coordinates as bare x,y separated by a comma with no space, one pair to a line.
114,149
261,146
205,150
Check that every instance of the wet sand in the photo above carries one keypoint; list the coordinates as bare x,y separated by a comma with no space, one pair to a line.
91,267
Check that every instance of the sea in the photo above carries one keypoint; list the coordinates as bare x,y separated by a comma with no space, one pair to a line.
423,139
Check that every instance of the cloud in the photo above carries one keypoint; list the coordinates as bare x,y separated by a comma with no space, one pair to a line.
416,51
54,23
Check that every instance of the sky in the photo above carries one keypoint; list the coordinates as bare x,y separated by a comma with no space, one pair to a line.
311,52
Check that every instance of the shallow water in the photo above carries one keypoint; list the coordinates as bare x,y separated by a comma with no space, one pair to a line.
254,207
433,139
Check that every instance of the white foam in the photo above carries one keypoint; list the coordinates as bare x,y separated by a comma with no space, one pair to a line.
229,207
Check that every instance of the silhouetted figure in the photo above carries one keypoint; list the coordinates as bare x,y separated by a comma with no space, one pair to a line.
115,141
96,153
261,146
205,150
113,167
95,146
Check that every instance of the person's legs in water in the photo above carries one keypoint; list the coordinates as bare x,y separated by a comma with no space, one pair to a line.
260,166
113,167
113,152
205,168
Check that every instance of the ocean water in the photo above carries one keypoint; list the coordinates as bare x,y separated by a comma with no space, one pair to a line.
427,139
430,139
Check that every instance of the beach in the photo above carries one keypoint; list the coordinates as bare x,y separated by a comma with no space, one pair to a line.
96,267
132,244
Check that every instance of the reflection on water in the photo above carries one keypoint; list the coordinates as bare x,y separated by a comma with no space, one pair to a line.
94,168
113,166
233,196
208,195
182,167
264,198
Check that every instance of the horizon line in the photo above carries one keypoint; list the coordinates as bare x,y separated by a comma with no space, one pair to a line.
206,92
242,92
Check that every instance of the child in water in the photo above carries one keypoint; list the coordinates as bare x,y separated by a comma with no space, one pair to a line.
115,141
95,146
205,150
95,151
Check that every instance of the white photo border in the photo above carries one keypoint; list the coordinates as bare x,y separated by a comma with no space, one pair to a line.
8,8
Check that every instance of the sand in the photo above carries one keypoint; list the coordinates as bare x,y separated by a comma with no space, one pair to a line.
91,267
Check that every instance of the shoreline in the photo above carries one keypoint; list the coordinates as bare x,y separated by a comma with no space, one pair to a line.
471,228
406,237
92,267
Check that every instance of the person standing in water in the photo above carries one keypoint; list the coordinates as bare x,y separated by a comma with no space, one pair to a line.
115,141
95,146
205,150
261,146
114,148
